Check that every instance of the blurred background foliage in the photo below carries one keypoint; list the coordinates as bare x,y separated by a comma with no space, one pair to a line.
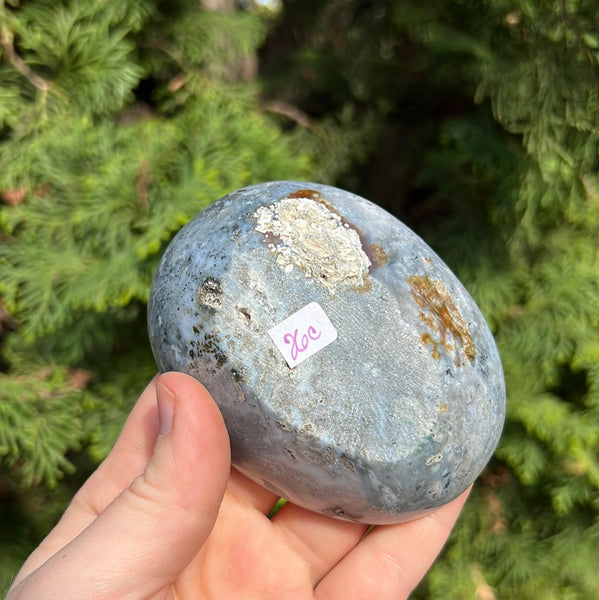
476,122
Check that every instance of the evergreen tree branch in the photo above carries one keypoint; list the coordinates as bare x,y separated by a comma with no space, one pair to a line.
574,26
7,43
293,113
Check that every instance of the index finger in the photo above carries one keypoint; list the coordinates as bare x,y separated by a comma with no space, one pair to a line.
392,559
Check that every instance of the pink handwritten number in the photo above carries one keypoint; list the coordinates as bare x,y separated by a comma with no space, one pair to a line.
301,344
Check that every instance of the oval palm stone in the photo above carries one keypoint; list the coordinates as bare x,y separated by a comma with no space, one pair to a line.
355,374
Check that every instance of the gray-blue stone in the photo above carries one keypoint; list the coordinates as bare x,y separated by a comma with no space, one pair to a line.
397,415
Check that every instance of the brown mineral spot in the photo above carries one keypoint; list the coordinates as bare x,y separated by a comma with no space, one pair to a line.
375,253
447,329
428,339
313,194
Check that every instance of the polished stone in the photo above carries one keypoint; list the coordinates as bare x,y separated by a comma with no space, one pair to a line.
356,375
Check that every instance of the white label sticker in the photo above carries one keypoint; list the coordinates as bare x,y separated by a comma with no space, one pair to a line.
303,334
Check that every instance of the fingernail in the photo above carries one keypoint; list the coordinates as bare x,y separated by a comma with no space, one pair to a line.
166,408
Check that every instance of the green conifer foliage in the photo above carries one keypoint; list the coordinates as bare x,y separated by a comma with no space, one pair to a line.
119,121
487,140
539,286
476,122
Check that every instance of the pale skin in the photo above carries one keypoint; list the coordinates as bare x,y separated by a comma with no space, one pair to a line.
164,517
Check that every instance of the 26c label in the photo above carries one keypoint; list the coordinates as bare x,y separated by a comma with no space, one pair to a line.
303,334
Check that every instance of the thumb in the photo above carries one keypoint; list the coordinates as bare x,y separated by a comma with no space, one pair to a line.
143,540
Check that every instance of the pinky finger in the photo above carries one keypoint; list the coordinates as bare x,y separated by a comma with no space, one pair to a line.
391,561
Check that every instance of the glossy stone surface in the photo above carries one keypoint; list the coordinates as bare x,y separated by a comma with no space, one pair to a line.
382,399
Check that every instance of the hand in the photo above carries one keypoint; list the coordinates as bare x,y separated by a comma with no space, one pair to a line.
164,518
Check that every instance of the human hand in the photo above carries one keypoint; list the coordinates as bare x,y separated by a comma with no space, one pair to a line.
164,518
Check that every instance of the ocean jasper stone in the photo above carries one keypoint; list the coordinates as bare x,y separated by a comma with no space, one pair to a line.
356,376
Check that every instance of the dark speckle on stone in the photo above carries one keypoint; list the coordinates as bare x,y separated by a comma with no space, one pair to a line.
244,314
210,293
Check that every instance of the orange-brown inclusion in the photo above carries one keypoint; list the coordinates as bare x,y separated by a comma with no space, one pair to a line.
305,194
447,329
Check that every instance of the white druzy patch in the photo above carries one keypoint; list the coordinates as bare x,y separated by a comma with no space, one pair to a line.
307,234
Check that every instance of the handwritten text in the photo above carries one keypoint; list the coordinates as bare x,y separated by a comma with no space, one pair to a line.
302,334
